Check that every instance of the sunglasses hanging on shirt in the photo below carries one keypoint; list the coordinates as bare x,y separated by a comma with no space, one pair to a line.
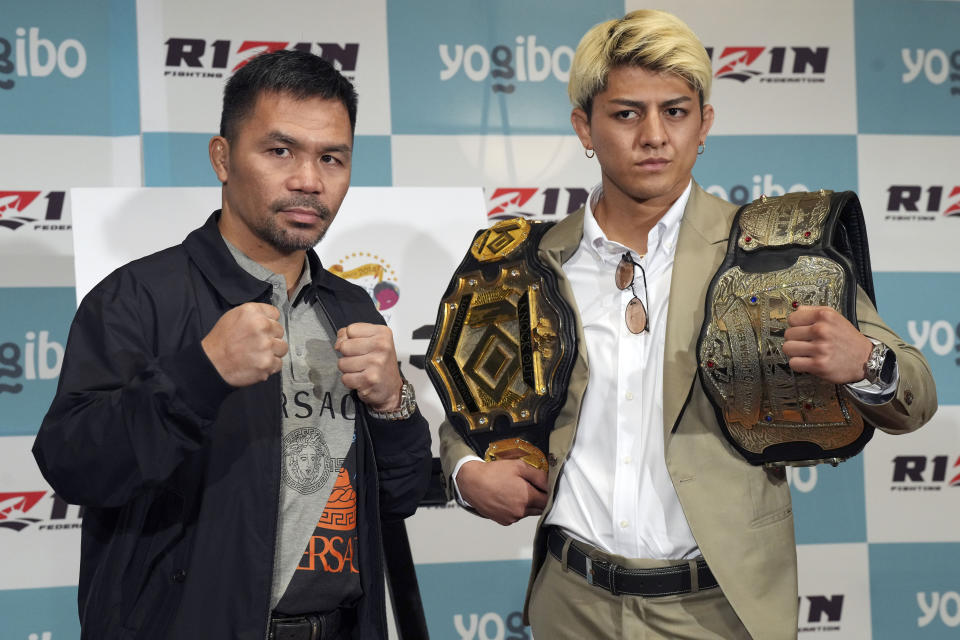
636,314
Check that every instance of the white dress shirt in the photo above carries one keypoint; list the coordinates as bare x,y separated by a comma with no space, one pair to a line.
615,492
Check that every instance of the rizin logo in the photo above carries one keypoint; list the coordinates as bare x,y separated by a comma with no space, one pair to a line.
771,64
923,473
40,217
529,202
24,509
821,613
526,62
921,201
936,65
38,57
197,58
373,274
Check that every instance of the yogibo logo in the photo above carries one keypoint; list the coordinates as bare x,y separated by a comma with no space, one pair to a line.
936,66
31,55
525,61
40,358
762,185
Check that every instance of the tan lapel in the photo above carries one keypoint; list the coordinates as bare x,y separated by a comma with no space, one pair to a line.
556,247
701,246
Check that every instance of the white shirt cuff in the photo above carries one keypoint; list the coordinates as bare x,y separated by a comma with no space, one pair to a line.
456,470
876,393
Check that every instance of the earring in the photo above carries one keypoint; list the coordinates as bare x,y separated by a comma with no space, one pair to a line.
589,153
701,148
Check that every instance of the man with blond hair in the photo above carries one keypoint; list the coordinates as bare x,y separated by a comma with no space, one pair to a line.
652,524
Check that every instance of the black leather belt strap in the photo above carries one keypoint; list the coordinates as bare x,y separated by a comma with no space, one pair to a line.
311,626
650,583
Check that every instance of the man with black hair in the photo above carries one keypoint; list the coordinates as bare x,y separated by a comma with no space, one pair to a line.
224,500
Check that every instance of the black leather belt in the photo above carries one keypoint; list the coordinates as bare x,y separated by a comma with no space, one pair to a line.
650,583
311,626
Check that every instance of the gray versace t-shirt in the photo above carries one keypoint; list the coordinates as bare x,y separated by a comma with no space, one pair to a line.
317,433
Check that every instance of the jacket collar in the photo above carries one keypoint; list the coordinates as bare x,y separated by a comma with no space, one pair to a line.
209,252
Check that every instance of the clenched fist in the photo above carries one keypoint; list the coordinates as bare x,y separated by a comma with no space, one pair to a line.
369,364
822,342
246,345
503,490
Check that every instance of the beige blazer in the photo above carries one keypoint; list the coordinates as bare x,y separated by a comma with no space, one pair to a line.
740,514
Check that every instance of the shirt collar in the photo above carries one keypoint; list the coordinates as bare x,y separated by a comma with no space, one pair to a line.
661,239
260,272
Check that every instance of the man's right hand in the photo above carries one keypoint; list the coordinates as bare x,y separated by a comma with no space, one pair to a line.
246,345
503,490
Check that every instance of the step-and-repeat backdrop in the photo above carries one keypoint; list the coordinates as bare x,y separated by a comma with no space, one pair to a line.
840,94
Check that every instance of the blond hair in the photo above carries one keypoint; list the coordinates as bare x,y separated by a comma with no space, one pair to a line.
651,39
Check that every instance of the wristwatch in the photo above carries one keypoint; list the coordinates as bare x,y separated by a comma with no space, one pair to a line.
879,366
408,404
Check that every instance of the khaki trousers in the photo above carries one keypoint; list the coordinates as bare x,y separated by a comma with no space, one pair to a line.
563,605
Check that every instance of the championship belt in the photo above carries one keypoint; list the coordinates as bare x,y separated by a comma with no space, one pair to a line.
504,345
787,251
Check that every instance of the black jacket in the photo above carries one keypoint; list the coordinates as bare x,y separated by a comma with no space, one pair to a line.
178,471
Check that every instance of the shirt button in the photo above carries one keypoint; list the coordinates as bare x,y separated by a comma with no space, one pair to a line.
627,460
624,524
628,395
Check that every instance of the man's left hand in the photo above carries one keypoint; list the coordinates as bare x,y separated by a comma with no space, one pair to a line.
822,342
369,364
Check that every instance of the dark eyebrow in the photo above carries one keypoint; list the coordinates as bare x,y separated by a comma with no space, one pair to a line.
666,104
281,138
342,148
278,137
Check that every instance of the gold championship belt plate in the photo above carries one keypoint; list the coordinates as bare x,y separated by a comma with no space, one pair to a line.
783,252
503,346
